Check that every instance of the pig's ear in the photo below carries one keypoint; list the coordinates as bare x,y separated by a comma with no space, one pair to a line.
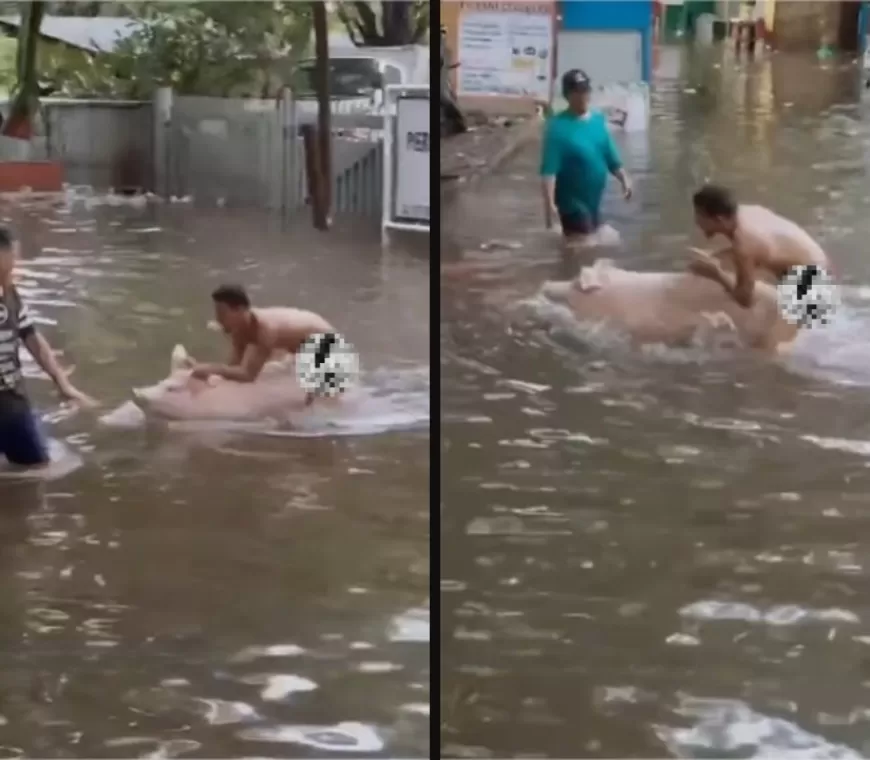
179,358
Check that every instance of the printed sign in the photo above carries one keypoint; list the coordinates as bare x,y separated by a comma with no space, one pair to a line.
505,54
412,159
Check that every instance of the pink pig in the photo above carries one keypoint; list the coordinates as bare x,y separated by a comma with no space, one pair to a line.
669,307
276,393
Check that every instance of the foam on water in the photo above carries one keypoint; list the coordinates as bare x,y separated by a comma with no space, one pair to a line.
730,728
396,400
387,400
348,736
838,352
85,196
560,321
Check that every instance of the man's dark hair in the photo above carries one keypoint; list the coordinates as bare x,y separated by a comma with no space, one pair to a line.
715,200
6,238
233,296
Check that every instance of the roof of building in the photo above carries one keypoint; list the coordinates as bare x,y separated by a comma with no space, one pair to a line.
99,34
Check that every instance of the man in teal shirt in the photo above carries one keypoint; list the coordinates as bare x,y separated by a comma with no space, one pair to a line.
577,156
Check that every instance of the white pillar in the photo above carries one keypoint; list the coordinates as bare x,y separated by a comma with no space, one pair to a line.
388,164
162,105
290,183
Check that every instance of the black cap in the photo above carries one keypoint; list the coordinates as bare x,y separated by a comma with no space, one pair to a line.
575,80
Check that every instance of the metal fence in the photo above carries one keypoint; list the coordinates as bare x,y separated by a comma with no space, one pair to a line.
246,152
225,151
104,143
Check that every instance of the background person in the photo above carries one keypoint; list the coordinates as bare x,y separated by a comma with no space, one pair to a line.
21,439
577,156
452,118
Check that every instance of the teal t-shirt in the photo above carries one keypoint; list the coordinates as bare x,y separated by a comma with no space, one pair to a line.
579,152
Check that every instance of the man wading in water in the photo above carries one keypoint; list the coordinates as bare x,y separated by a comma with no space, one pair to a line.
577,156
21,440
763,244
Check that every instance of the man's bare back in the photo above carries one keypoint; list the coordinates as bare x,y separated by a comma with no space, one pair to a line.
777,244
283,328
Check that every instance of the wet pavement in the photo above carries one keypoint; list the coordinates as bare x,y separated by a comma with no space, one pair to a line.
661,553
483,147
214,593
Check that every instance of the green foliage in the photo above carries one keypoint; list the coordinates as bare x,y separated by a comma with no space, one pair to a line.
8,46
205,48
384,24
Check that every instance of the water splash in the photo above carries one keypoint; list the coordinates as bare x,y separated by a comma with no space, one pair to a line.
348,736
63,461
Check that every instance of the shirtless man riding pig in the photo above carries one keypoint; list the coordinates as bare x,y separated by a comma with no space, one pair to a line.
763,245
257,334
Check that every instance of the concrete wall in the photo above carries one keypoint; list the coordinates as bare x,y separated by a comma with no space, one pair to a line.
805,24
605,15
104,143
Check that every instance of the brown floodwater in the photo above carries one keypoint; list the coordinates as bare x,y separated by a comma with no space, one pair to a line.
206,592
662,552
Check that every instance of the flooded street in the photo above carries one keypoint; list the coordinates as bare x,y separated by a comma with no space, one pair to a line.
207,593
662,552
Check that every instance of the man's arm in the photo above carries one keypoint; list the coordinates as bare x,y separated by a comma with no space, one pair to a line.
548,193
252,363
39,349
722,254
43,355
237,353
740,284
746,249
551,162
744,268
614,162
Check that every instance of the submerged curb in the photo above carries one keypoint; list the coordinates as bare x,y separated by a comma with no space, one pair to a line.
522,135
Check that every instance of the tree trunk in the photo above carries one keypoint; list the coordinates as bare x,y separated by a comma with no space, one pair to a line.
402,22
25,102
322,205
398,27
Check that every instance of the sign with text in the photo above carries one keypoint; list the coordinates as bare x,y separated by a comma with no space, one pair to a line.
412,159
505,54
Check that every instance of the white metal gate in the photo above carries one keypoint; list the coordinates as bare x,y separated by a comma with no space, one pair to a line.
249,153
